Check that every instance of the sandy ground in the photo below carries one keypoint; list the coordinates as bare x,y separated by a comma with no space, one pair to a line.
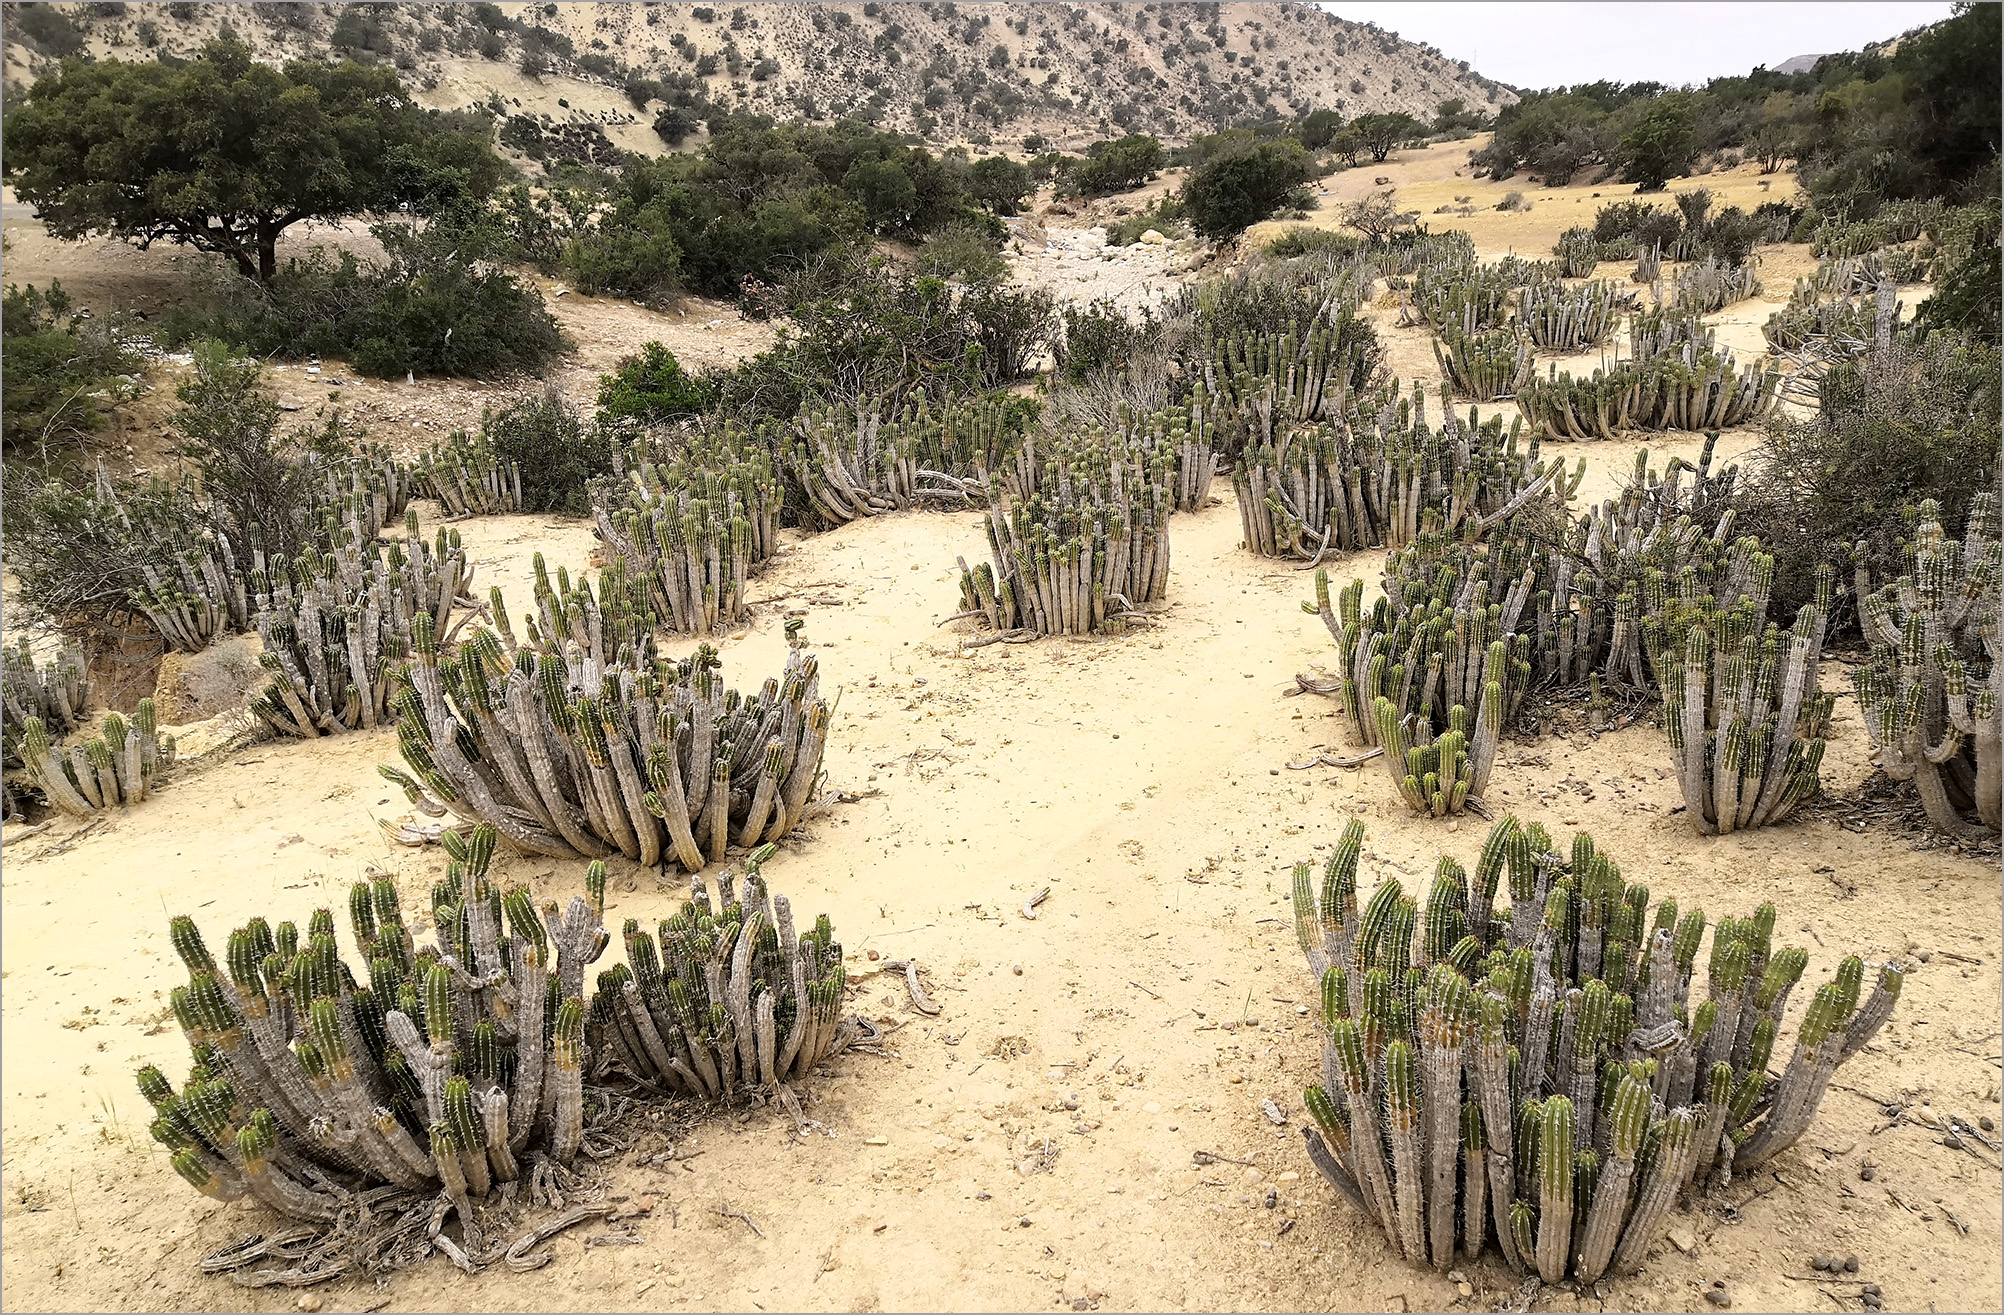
1160,990
1031,1147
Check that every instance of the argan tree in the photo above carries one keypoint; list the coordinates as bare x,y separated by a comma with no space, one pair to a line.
224,154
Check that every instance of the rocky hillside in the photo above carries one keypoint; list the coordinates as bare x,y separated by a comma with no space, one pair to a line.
975,72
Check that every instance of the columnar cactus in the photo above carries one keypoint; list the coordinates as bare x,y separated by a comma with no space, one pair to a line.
453,1068
1367,477
1558,318
1472,295
1740,704
54,692
1933,692
579,742
1675,379
468,478
1648,264
1079,537
715,1004
337,627
1578,252
693,526
1483,366
1712,285
1544,1060
114,768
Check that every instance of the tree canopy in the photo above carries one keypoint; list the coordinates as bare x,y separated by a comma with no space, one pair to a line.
1243,183
224,154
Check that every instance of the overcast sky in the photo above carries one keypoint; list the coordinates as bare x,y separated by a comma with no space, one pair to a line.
1537,45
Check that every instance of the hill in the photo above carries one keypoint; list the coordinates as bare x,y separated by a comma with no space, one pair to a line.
954,73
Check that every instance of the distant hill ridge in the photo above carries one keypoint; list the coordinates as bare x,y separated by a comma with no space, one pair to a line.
995,70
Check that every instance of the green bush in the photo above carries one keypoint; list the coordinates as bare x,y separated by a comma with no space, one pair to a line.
1114,166
1918,421
1099,339
964,254
558,453
60,374
1239,186
650,387
435,306
1010,325
1306,241
1165,217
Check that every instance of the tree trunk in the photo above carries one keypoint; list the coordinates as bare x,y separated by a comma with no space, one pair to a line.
267,252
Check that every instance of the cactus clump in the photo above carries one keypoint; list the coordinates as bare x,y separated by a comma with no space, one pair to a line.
468,478
855,460
1483,366
1578,252
338,626
1079,536
1675,378
1368,477
53,692
1545,1063
1557,318
114,768
1933,692
448,1070
1740,703
717,1003
580,742
693,524
1712,285
1259,385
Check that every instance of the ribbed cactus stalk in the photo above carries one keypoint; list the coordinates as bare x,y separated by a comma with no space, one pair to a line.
1256,386
1578,253
54,692
1933,693
1590,1102
428,1078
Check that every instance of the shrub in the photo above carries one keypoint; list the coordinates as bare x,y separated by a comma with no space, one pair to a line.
1312,241
1165,217
962,253
61,371
1115,166
1100,339
1238,187
1010,325
650,387
255,485
48,30
998,183
1512,201
557,453
1919,420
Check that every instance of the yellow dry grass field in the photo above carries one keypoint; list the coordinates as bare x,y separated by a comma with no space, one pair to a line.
1080,1127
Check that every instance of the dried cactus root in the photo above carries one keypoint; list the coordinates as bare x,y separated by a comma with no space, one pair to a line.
1550,1051
579,743
118,766
1933,693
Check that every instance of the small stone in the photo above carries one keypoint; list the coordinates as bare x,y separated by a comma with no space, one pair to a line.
1151,1107
874,956
1463,1289
1018,970
1819,1263
1024,1222
1850,1264
1719,1297
1986,1123
1683,1239
1868,1173
1253,1177
1272,1198
310,1302
878,1140
1872,1290
1289,1177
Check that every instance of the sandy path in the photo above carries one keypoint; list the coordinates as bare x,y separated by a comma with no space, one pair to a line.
1142,779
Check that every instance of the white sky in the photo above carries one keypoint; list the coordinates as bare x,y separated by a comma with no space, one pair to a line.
1537,45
